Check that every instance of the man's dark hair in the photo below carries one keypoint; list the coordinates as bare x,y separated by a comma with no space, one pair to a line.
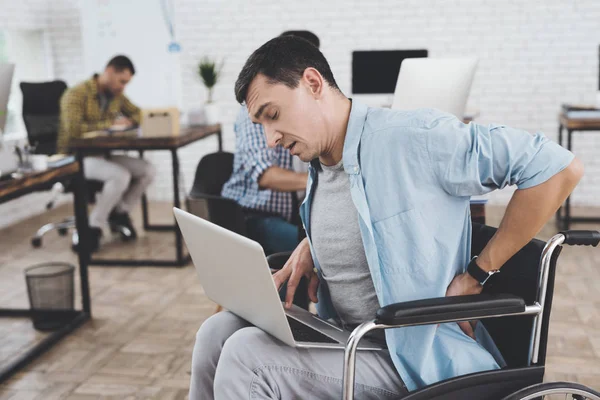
283,60
120,63
308,35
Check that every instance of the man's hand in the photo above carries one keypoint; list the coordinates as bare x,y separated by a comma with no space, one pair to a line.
461,285
298,265
122,121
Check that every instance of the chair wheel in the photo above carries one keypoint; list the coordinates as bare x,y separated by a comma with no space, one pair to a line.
36,242
62,231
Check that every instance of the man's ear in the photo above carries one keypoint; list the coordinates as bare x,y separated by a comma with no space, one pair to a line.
313,80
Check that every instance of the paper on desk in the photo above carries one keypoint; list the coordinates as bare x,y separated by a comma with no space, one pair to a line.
93,134
131,132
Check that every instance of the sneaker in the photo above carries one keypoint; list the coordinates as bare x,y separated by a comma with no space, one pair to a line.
121,219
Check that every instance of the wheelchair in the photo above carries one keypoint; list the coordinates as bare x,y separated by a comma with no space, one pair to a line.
514,307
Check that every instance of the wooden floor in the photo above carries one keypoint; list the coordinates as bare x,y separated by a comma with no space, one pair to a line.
139,344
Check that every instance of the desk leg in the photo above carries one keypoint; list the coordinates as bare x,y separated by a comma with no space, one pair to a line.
82,224
560,209
177,203
144,203
560,133
567,221
220,138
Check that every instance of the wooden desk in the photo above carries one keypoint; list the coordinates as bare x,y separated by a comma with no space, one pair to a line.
188,135
168,142
573,125
13,188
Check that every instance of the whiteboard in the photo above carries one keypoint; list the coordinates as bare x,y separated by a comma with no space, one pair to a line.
140,30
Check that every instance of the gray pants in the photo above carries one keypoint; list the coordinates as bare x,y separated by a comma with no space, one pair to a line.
233,360
125,180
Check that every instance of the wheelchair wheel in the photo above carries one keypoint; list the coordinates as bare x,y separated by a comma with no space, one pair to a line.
555,390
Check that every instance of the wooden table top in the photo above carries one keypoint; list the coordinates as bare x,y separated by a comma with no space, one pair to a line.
579,124
167,142
12,188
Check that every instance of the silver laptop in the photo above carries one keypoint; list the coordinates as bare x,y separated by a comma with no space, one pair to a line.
235,274
442,83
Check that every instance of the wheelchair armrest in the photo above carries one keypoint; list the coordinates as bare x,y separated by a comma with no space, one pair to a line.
278,260
446,309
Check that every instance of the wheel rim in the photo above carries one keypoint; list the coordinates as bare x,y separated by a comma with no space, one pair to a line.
561,391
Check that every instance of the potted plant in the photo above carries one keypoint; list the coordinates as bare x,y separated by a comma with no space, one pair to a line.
209,73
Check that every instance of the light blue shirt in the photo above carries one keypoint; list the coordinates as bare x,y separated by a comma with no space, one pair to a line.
411,177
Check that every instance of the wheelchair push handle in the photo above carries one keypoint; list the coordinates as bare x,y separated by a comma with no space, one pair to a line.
581,238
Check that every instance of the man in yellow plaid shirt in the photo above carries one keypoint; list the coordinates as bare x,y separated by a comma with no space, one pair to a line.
98,104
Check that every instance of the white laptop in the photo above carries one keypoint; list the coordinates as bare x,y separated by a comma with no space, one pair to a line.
441,83
235,274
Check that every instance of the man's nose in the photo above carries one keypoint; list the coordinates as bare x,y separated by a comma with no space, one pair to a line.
273,137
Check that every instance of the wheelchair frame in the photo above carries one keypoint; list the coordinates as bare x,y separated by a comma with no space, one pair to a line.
536,309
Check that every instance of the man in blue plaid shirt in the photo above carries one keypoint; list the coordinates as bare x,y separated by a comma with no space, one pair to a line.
264,181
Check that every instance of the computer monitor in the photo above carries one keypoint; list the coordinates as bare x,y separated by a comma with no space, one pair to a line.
376,71
6,75
442,83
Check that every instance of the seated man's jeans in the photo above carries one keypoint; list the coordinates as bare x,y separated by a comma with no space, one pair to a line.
235,361
273,233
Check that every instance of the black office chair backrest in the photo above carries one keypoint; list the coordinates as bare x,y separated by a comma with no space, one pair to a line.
519,276
213,171
205,199
41,113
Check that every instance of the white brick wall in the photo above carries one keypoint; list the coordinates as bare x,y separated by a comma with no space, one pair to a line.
533,55
33,15
65,36
23,14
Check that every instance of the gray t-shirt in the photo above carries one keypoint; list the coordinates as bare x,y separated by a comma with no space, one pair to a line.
338,246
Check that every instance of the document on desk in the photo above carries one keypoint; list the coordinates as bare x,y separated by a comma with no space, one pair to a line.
132,132
58,160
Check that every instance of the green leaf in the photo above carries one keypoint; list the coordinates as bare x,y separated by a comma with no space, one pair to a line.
209,72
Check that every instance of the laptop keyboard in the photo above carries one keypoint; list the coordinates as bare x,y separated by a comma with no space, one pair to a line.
304,333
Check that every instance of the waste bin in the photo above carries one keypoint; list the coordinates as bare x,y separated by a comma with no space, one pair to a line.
51,289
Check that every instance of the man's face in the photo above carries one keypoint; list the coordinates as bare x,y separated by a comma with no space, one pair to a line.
291,118
117,80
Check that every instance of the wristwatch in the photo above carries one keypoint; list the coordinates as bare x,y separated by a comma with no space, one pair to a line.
480,275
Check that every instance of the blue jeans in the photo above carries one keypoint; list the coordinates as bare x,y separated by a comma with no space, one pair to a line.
273,233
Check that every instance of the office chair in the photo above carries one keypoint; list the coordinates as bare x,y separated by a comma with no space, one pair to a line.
205,200
41,115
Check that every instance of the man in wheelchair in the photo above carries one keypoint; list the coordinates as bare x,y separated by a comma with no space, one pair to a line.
387,217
